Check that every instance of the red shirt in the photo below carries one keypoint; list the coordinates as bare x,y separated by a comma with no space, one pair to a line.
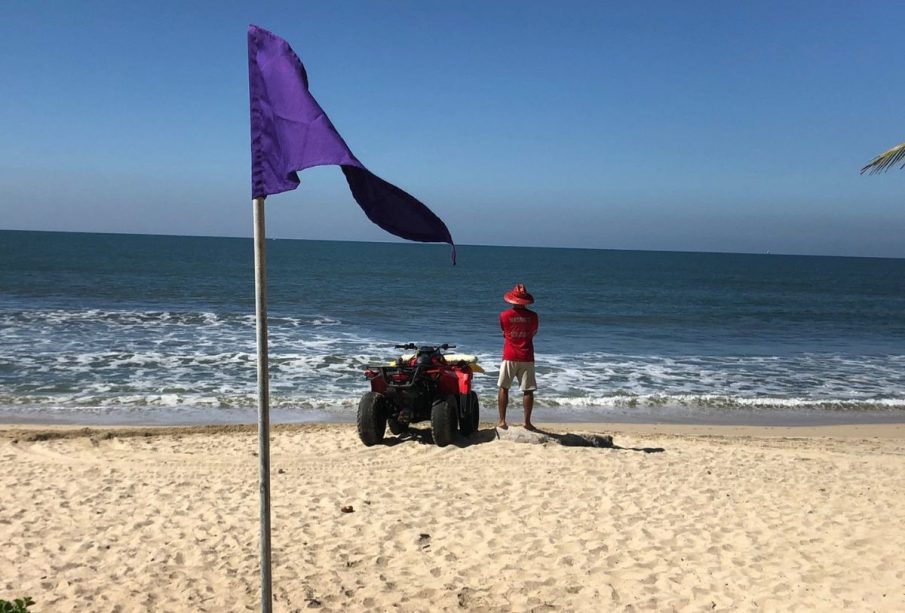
519,327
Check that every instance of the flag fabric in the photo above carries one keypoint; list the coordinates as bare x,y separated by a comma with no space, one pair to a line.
290,132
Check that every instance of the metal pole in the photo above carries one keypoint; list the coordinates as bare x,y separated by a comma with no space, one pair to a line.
263,401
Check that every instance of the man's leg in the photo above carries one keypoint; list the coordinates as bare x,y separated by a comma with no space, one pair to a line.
528,383
503,402
528,402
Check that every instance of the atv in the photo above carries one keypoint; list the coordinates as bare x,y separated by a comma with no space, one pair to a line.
425,384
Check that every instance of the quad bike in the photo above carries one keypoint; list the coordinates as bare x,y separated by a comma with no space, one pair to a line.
426,384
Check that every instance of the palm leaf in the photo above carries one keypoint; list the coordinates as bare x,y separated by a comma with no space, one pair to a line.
886,160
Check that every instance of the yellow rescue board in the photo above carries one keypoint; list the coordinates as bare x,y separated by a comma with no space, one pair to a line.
450,357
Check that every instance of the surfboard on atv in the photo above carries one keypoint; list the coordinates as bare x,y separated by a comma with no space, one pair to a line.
425,384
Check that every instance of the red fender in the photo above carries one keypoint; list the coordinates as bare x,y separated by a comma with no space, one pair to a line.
464,376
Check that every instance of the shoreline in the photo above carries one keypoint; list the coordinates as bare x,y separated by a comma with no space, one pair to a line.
116,417
42,431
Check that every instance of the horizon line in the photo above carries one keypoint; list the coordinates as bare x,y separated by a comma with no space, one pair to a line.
405,242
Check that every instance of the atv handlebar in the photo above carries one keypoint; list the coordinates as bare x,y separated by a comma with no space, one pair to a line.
444,346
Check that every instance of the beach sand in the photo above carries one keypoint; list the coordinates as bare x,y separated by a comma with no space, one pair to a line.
693,518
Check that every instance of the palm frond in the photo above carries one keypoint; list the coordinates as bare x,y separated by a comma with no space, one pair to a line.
886,160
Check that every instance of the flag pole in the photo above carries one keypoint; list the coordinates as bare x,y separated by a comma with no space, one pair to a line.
263,401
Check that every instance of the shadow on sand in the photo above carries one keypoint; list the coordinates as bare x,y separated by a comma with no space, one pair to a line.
423,436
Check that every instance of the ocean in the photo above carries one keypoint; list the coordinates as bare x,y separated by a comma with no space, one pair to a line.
128,329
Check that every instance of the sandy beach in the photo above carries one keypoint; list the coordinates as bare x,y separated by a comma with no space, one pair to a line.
684,518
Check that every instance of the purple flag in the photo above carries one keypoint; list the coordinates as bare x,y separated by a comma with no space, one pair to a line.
290,132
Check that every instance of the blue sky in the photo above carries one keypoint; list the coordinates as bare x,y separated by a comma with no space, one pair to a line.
702,126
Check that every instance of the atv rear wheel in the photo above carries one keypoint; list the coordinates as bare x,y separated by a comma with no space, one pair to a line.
444,413
372,418
469,419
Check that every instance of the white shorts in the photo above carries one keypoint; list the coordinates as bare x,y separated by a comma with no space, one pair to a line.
523,371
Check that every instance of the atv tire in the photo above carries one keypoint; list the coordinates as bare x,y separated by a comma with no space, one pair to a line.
475,412
372,418
396,426
468,422
444,413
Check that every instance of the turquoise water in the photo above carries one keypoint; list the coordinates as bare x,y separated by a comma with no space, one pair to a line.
133,328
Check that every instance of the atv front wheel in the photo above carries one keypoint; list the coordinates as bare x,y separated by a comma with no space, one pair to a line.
469,419
475,412
372,418
443,420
